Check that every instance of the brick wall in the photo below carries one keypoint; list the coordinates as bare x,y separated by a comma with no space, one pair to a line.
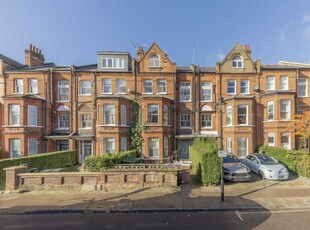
138,177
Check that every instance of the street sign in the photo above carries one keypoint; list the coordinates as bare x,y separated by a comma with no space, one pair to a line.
222,153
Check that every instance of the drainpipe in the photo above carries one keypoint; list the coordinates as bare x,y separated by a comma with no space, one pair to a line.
51,99
94,79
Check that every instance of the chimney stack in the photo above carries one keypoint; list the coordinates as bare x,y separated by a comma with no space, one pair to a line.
140,53
33,56
247,49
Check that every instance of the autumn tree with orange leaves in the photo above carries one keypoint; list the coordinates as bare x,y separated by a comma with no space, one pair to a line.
302,127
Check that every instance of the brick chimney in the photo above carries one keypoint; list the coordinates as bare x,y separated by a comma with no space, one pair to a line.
247,49
33,56
140,53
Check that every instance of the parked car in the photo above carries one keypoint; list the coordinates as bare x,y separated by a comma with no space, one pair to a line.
266,167
235,170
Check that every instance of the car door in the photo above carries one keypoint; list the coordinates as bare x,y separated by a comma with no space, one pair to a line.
256,164
249,161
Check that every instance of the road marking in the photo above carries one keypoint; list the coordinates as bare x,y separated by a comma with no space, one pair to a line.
239,215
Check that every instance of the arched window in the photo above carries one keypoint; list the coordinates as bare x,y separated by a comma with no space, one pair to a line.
154,61
237,62
63,108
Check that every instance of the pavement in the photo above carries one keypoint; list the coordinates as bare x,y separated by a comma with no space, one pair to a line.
257,194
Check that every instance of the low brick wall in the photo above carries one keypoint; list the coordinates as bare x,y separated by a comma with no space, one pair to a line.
118,177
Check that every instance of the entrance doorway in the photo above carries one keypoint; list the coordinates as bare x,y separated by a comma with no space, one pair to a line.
85,149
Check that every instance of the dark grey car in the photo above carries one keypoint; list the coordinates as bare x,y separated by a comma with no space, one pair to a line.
235,170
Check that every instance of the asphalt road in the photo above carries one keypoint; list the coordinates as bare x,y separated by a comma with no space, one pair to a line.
163,220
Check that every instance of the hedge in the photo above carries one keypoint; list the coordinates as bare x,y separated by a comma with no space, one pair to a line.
98,163
205,161
297,161
60,159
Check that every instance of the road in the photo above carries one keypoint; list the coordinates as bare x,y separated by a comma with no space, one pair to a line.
162,220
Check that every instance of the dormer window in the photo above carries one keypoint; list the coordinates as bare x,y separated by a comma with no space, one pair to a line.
113,63
154,61
237,62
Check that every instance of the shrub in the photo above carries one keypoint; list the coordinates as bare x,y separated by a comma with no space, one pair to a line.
297,161
205,161
98,163
41,161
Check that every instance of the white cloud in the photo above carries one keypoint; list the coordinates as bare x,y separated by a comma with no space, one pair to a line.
283,32
307,32
220,56
306,17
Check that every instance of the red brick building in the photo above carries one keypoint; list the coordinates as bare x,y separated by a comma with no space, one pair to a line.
45,107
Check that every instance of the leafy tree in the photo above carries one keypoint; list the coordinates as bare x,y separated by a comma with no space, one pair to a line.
302,127
136,130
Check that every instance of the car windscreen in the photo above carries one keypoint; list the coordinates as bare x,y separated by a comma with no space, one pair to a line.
265,160
230,159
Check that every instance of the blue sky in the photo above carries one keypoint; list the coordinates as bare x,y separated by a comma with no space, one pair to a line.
72,31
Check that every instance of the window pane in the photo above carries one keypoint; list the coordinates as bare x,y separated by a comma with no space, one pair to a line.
206,91
148,86
231,87
242,114
121,86
14,115
153,114
185,91
107,86
161,86
32,115
153,147
109,112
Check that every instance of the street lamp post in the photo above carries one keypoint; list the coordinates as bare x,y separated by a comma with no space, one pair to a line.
220,106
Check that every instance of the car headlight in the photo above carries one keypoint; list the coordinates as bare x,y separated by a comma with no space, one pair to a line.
226,169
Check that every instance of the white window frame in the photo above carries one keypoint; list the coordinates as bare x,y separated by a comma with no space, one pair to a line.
285,108
269,137
153,144
106,86
237,61
270,83
14,115
154,61
166,146
270,110
302,87
15,148
244,86
32,115
109,114
242,114
123,115
185,91
229,87
107,147
123,144
32,146
206,91
85,88
150,115
65,122
242,150
166,115
121,86
113,63
86,121
229,144
161,89
283,82
147,86
18,86
285,145
63,90
229,116
185,121
33,86
207,119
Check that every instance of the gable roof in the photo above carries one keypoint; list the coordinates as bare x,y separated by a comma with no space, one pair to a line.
238,49
11,61
150,49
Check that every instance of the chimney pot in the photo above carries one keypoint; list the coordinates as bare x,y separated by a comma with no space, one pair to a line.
30,47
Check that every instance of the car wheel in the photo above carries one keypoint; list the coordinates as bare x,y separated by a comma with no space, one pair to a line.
261,174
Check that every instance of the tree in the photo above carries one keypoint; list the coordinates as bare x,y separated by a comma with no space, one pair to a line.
136,129
302,127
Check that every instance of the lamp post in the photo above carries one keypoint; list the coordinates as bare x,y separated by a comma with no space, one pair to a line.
220,105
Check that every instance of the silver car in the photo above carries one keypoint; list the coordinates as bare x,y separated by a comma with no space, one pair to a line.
234,170
266,167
